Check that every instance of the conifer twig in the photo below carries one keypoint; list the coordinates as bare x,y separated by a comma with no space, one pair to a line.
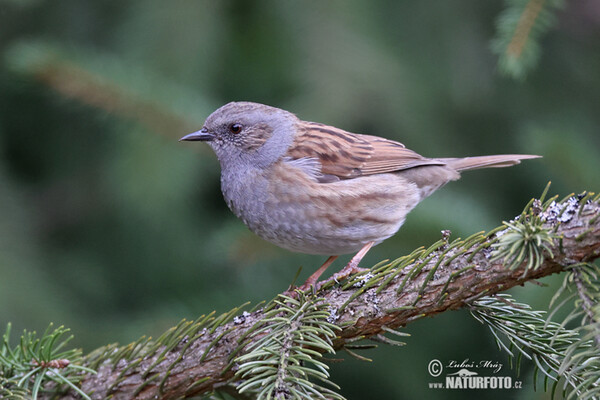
200,357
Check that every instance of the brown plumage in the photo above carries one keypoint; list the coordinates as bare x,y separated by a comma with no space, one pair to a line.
350,155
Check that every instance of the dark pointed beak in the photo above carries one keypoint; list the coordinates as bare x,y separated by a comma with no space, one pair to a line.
202,135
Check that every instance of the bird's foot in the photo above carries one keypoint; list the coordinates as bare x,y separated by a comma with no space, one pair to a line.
339,276
316,285
312,280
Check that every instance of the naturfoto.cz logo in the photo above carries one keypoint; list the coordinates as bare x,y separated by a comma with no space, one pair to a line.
470,375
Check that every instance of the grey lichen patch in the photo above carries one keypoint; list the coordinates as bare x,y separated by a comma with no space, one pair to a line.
240,319
562,212
363,279
373,300
333,315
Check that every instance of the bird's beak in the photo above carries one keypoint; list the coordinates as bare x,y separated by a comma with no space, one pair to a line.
202,135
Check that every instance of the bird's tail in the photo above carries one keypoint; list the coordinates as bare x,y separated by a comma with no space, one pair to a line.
497,161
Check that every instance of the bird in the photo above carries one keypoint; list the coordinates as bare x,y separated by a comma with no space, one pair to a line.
317,189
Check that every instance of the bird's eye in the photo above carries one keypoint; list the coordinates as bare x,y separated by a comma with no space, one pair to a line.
235,128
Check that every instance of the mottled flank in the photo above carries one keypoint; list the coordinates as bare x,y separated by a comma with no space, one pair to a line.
314,219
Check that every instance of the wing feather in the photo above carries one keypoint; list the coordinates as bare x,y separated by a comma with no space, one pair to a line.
350,155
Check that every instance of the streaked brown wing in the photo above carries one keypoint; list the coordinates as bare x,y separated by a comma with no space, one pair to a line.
350,155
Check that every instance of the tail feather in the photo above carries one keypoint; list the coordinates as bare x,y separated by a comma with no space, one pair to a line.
496,161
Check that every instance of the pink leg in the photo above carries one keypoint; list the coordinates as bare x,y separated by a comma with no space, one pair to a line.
349,269
352,266
312,280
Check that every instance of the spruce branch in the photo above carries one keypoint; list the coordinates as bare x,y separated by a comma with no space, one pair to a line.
545,342
284,351
26,368
519,29
586,283
581,363
208,354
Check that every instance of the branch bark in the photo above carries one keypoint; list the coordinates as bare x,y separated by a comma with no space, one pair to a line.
427,287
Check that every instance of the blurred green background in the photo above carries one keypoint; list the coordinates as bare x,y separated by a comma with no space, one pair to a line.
110,226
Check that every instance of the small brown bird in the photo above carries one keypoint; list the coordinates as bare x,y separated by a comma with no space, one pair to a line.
317,189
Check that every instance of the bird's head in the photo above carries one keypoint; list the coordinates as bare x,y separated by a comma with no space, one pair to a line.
247,133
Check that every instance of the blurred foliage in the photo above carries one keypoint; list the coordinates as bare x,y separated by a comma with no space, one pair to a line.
109,226
520,27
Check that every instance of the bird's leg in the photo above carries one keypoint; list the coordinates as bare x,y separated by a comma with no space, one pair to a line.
312,280
352,266
349,269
